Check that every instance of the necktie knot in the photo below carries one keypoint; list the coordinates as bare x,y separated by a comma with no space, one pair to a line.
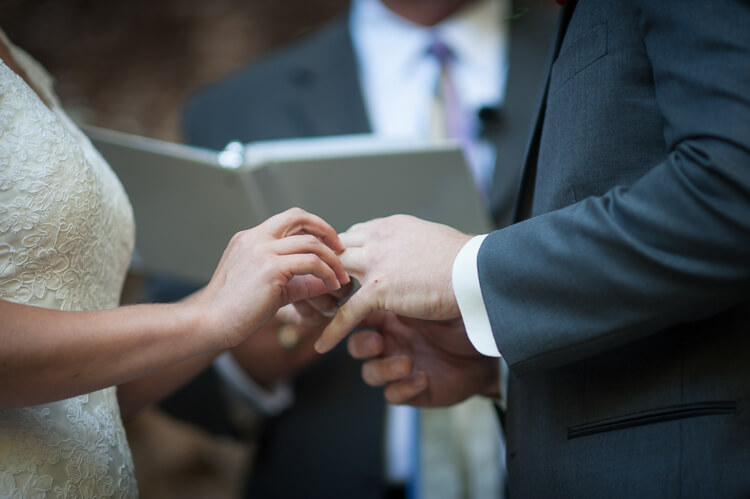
440,51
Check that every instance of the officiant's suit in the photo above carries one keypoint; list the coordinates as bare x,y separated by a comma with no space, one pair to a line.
318,447
622,305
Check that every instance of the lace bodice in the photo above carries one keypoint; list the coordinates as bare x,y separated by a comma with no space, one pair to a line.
66,236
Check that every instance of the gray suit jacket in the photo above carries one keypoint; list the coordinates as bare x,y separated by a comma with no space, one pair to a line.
320,448
622,305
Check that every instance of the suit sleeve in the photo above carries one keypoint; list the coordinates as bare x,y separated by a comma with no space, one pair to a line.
674,246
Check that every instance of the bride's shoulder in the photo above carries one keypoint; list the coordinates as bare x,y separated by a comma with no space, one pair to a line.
36,76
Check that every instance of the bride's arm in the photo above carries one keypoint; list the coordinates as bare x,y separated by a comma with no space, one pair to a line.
144,391
48,355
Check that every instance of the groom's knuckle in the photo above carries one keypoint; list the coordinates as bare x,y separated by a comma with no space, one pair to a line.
237,238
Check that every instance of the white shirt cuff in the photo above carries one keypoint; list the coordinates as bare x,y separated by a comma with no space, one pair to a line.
270,402
469,297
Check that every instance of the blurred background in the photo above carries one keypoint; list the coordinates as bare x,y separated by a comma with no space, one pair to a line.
129,65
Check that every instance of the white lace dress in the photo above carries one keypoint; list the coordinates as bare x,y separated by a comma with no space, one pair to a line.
66,235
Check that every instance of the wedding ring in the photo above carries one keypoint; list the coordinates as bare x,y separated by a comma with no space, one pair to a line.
288,337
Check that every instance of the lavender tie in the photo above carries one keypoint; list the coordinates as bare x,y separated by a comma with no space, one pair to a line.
449,119
460,453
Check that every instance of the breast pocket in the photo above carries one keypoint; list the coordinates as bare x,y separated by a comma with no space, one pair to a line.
583,52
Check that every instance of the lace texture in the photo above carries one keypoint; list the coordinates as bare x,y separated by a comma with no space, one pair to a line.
66,236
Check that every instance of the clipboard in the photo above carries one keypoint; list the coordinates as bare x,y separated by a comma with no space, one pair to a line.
189,201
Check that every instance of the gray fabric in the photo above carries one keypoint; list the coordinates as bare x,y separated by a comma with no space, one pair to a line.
622,305
308,89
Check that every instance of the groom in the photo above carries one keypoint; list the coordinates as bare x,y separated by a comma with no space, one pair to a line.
621,298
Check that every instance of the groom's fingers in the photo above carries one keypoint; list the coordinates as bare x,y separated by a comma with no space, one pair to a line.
365,344
352,239
308,244
379,372
353,260
348,316
405,390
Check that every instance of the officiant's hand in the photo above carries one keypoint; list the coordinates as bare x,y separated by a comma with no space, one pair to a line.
289,257
404,265
422,363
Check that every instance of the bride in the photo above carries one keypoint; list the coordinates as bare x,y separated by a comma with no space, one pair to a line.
72,364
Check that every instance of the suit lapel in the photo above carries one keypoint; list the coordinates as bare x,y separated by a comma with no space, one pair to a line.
528,174
327,97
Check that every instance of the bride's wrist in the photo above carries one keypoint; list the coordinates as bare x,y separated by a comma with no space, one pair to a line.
197,325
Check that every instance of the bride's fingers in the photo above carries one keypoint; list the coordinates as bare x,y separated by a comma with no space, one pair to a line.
324,304
296,220
299,289
306,243
303,265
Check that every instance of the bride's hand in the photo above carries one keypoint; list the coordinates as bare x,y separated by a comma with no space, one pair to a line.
289,257
315,311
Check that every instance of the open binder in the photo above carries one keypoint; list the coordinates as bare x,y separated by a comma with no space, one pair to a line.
188,201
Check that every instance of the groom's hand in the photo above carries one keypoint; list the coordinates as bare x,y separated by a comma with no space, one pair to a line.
423,363
404,265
